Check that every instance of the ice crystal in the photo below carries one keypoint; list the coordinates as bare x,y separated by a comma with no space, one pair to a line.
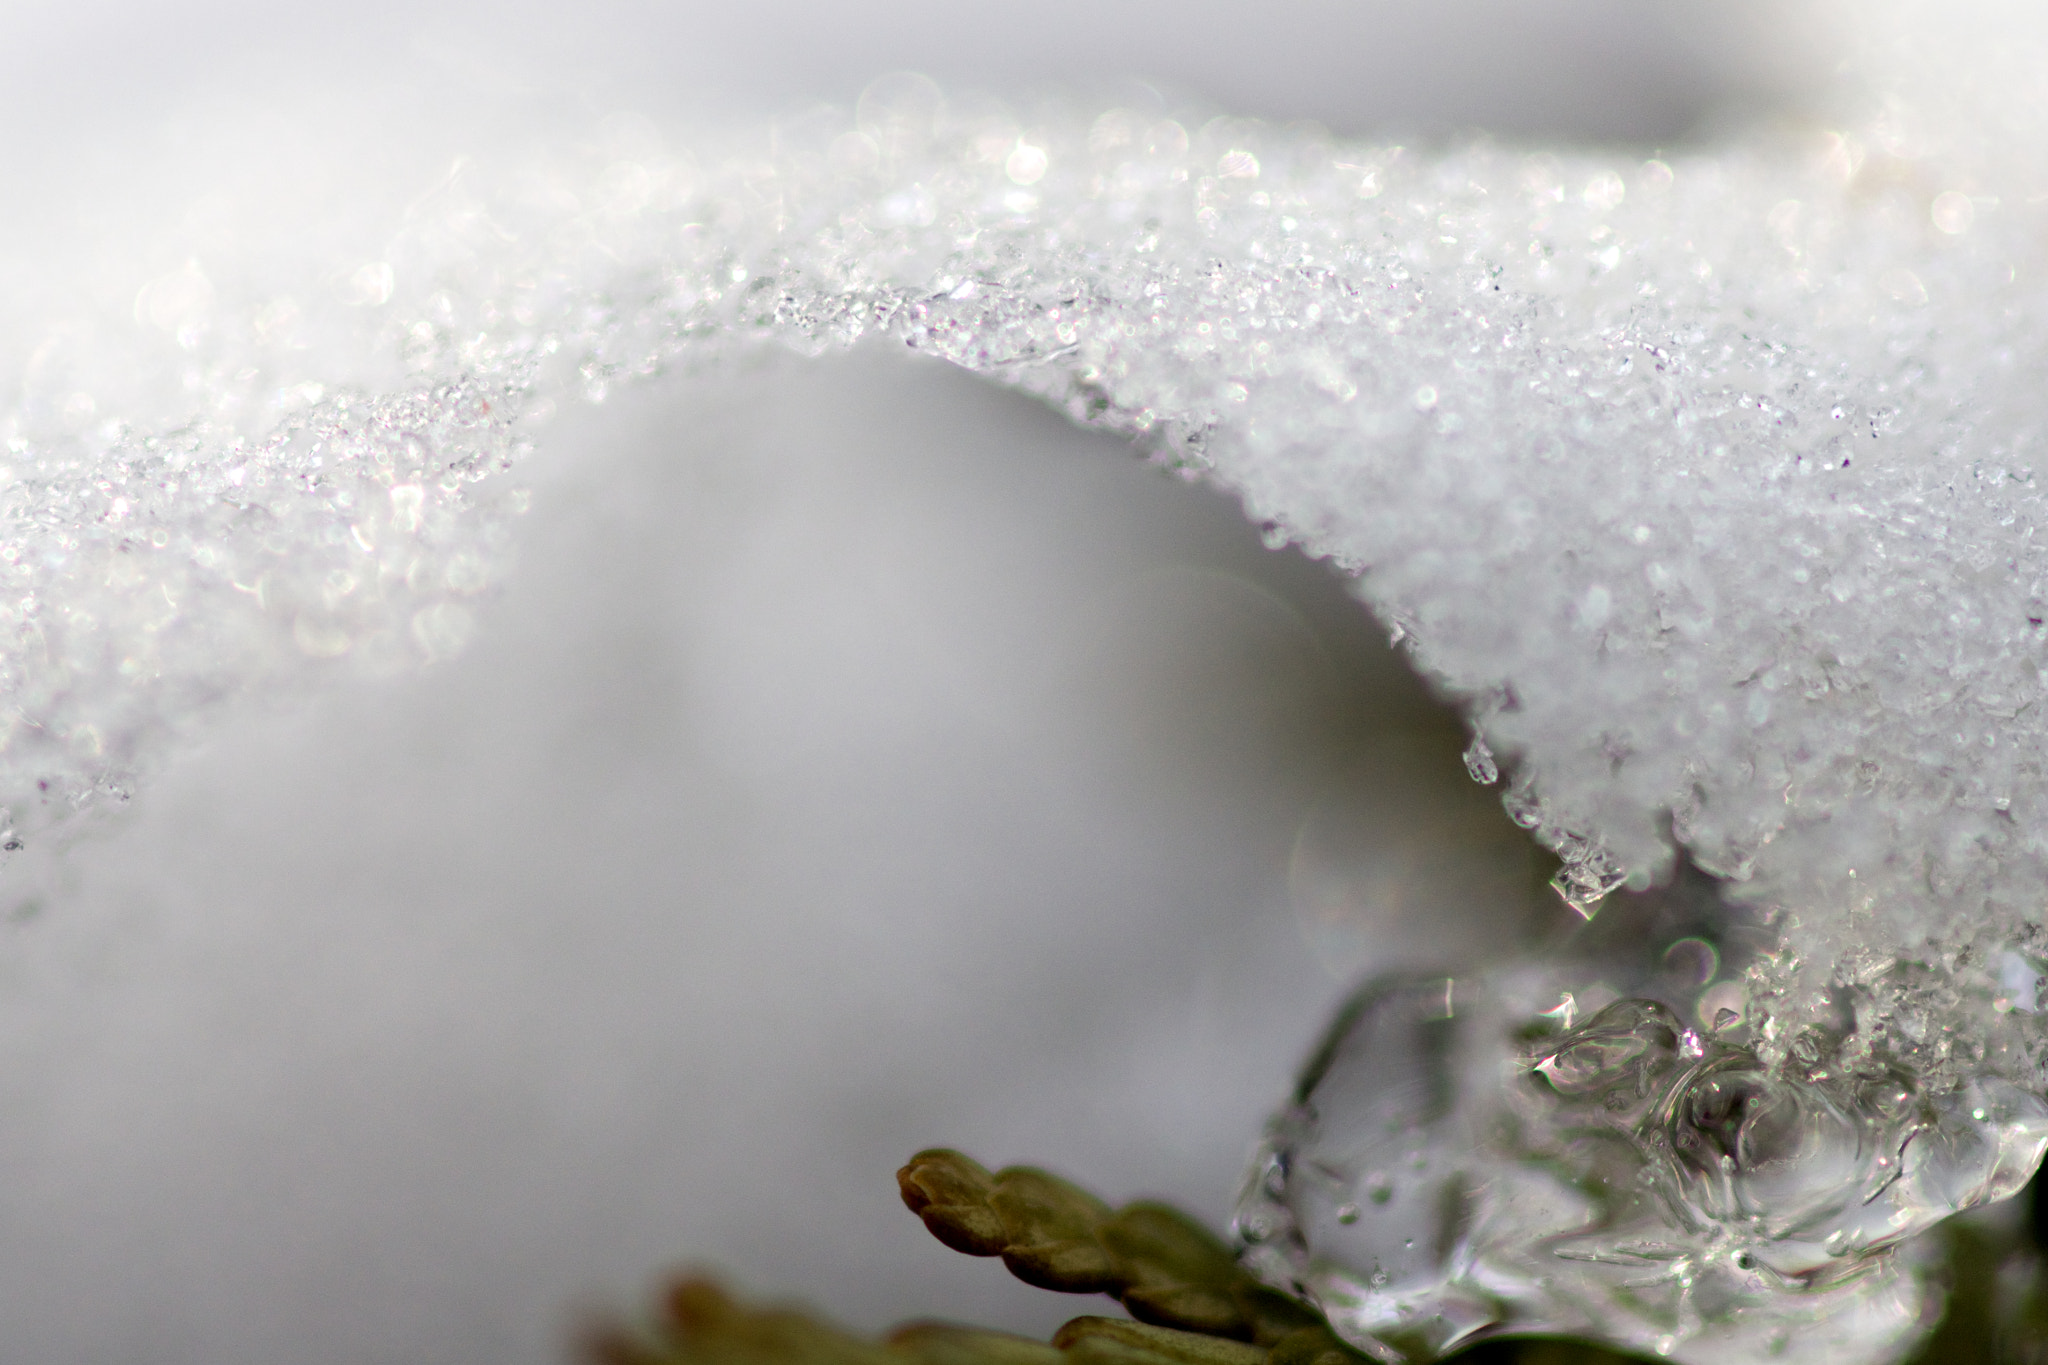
1470,1157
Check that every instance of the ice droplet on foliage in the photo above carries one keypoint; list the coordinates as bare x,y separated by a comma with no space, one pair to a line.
1708,484
1467,1157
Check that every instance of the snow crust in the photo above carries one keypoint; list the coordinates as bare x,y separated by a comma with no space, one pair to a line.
1707,483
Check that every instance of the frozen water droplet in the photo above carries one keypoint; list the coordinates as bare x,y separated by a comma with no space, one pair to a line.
1723,1006
1237,165
371,285
1627,1179
1027,164
1604,192
1952,212
1587,878
1903,285
1479,762
2020,979
1692,961
174,302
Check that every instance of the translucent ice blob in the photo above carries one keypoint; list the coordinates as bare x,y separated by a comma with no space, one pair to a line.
1529,1152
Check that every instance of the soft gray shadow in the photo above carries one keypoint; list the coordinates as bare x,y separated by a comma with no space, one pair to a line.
1640,71
861,759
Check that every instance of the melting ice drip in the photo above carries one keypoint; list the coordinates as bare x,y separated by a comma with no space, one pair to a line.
1707,484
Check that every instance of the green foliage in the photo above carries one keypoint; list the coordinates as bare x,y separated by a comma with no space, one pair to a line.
1163,1266
1191,1303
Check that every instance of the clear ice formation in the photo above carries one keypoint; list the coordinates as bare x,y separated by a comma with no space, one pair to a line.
1470,1156
1708,484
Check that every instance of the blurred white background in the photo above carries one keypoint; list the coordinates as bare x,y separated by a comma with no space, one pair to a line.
859,760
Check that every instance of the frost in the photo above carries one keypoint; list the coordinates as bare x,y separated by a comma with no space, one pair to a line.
1708,483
